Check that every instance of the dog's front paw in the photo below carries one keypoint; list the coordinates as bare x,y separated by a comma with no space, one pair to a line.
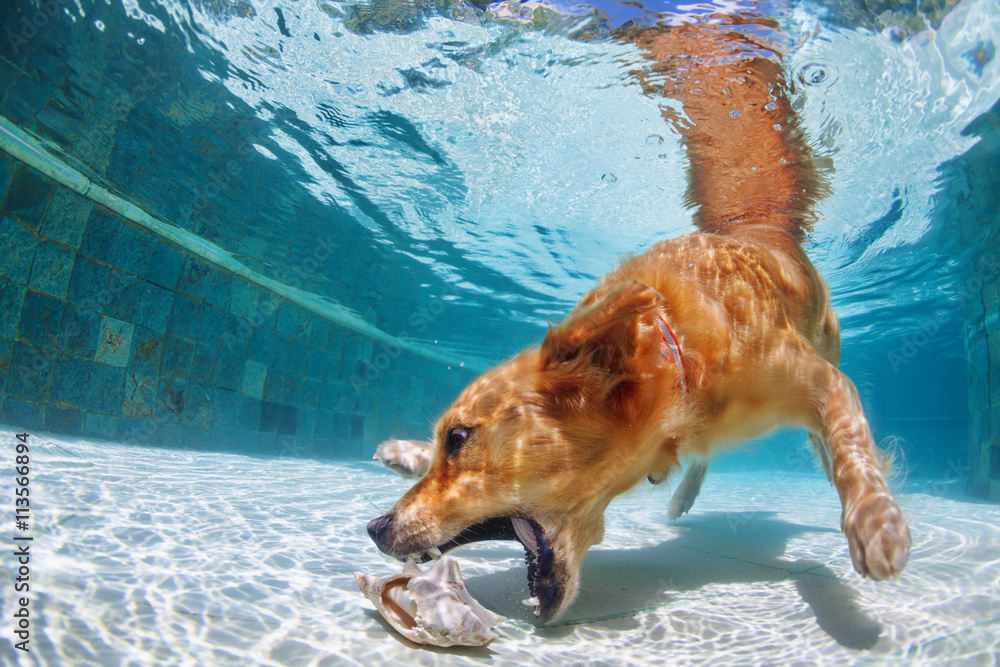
877,534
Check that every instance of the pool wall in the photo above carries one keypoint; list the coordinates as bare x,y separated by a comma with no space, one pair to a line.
970,183
111,332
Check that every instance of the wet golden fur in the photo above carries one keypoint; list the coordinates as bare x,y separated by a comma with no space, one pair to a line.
557,432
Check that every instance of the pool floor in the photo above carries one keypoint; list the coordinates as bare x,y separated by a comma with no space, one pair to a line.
149,557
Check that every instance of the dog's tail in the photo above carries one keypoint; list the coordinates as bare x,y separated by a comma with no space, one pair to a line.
751,170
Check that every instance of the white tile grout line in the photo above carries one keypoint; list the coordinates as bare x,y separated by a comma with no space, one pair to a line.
28,148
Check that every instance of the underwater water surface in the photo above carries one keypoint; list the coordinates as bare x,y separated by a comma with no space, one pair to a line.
244,241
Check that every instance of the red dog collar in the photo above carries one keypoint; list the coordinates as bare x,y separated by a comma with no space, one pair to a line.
670,342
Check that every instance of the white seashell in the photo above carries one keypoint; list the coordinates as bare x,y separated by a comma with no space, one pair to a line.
431,607
410,458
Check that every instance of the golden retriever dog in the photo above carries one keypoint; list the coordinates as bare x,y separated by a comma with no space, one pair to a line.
700,342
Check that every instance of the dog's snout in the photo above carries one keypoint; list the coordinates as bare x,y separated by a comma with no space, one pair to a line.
378,528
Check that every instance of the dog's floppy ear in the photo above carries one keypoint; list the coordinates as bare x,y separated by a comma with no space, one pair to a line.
602,332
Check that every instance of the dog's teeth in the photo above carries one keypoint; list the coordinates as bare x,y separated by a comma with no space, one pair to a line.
434,553
531,602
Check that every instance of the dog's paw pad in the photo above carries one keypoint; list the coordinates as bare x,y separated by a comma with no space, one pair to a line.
878,536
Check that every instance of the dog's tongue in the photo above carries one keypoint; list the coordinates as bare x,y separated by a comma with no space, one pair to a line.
526,534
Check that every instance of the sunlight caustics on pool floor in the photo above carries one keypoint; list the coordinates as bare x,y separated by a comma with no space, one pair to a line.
144,556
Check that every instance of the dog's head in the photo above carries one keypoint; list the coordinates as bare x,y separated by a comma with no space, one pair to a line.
536,448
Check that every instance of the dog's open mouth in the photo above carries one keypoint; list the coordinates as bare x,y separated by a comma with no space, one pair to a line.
544,574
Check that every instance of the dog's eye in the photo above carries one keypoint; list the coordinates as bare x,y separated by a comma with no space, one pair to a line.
456,438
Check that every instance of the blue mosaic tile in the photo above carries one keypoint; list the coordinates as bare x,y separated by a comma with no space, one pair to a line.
136,431
164,265
331,367
298,358
236,335
18,249
177,358
188,403
321,333
28,196
154,307
231,371
259,345
267,309
80,331
291,390
243,299
332,425
186,317
219,288
281,349
267,444
147,351
65,421
6,172
270,413
88,286
121,300
307,423
11,299
51,269
29,373
133,251
206,364
114,342
66,219
309,397
293,322
6,351
139,396
21,415
69,382
274,385
314,367
100,241
333,397
105,389
104,427
213,327
203,282
253,379
41,316
171,400
234,410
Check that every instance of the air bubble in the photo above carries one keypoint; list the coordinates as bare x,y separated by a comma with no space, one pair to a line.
734,114
653,140
609,178
777,126
815,74
770,106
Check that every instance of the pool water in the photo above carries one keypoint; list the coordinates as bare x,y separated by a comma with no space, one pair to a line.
242,242
153,556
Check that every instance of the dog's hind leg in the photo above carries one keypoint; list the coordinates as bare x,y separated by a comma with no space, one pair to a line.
688,489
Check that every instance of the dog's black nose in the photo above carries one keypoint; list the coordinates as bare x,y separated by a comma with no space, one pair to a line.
377,528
